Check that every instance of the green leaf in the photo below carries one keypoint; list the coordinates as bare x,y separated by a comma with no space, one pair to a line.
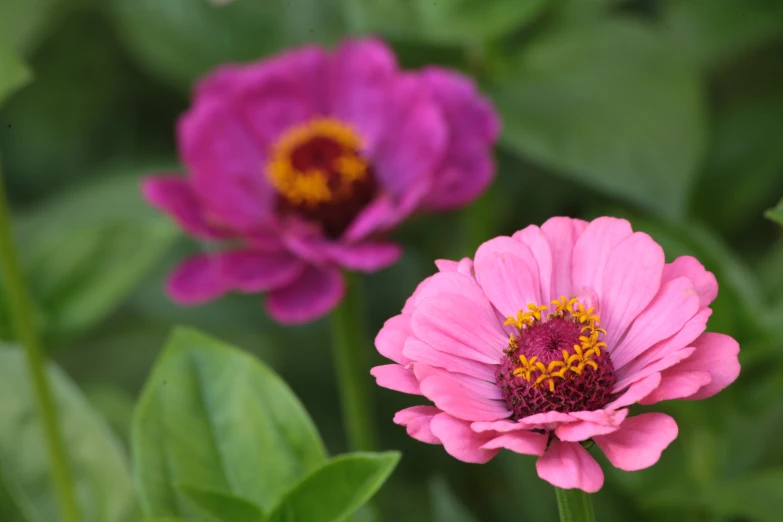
337,489
216,418
227,508
14,74
182,39
23,22
446,506
776,214
105,489
86,250
613,107
715,31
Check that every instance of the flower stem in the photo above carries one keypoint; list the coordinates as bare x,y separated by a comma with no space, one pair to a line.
350,346
574,505
24,323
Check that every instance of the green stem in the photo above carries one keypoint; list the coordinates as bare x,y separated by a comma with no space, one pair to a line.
350,346
574,505
24,322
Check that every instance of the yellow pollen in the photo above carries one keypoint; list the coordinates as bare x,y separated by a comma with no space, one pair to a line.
311,187
564,305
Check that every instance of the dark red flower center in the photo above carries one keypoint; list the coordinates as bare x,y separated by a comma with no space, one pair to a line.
556,362
320,174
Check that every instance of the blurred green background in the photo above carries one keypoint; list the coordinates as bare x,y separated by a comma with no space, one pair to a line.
667,112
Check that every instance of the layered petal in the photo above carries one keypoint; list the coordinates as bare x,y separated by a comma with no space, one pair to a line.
567,465
638,444
534,239
364,257
686,266
391,339
396,377
417,422
460,441
462,396
196,280
592,249
590,424
508,274
562,233
524,442
416,350
258,271
174,196
312,295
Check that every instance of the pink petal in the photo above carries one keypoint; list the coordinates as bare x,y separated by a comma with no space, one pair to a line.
704,281
314,294
196,280
365,257
500,426
460,441
692,330
590,424
416,350
226,166
414,141
561,233
450,323
174,195
397,378
567,465
534,239
716,354
417,422
655,367
508,274
639,442
464,397
593,249
362,75
524,442
548,421
446,265
256,271
631,279
674,305
444,283
676,385
636,392
391,339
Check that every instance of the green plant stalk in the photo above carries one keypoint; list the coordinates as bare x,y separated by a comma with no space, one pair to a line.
24,322
350,347
574,505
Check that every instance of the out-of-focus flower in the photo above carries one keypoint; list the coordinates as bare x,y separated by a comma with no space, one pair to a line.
300,163
540,344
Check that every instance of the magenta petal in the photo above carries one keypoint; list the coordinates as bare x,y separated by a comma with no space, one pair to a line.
716,354
524,442
363,72
381,214
674,305
396,377
391,339
174,195
590,423
256,271
314,294
508,274
639,442
593,249
704,281
417,422
561,233
631,280
365,257
460,441
196,280
567,465
414,142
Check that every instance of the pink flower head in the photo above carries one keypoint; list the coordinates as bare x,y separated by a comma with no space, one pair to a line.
542,341
300,163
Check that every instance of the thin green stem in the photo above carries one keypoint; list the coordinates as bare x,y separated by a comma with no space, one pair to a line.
350,346
24,323
574,505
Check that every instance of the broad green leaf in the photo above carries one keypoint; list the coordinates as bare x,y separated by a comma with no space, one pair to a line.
227,508
215,418
23,22
612,106
14,74
446,506
180,40
715,31
86,250
776,214
105,489
337,489
114,404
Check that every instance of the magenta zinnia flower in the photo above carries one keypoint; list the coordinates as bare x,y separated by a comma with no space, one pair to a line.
300,163
540,344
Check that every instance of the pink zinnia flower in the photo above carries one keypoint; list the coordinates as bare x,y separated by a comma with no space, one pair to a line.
540,344
300,163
